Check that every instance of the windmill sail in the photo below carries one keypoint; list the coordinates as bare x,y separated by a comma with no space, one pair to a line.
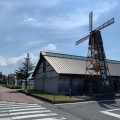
109,22
90,21
82,40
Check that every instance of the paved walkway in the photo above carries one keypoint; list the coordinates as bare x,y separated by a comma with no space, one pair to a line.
7,94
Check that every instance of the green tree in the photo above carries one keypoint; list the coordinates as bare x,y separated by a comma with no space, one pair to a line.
19,75
25,70
5,78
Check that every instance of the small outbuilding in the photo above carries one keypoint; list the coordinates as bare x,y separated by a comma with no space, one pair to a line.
65,74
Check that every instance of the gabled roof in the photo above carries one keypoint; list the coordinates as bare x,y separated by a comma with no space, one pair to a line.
71,64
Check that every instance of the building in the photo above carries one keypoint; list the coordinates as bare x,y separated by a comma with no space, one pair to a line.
11,78
65,74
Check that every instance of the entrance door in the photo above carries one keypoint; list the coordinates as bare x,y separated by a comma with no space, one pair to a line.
115,85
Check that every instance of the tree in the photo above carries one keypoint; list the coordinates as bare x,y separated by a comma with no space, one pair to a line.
5,78
19,74
25,70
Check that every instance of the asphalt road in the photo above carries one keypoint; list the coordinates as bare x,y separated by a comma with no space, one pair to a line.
12,103
93,110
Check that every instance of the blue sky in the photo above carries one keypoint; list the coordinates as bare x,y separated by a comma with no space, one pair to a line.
31,26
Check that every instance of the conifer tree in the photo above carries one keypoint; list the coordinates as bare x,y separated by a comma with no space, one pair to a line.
25,70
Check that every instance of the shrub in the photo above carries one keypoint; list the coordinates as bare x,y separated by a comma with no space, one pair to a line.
13,86
17,87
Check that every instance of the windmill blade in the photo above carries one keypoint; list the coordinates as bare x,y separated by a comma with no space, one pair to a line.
90,21
109,22
83,39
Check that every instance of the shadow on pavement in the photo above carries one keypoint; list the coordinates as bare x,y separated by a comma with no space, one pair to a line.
12,92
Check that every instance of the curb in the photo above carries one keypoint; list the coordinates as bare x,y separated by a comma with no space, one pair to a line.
52,101
95,98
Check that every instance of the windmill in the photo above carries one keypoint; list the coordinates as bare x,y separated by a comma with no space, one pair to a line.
96,65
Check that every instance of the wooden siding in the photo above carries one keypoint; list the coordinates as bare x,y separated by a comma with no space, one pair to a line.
38,83
71,85
49,83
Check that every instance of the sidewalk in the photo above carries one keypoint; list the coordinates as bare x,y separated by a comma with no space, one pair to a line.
11,95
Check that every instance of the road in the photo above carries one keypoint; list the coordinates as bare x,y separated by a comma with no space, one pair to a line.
14,105
94,110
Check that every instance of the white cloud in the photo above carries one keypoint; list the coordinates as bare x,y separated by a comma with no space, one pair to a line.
50,47
33,57
2,61
61,21
16,60
103,7
76,18
5,62
28,19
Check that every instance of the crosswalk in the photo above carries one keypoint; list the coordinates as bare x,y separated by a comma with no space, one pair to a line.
25,111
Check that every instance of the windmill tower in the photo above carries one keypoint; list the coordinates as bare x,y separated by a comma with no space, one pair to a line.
97,71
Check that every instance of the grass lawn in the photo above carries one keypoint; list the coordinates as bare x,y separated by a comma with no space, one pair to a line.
31,87
51,96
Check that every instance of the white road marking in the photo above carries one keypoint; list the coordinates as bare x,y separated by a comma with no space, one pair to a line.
113,110
25,109
15,111
3,108
32,116
6,102
109,112
89,102
29,112
60,118
17,103
14,105
76,103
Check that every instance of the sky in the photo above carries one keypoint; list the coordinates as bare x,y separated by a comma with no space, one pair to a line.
31,26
